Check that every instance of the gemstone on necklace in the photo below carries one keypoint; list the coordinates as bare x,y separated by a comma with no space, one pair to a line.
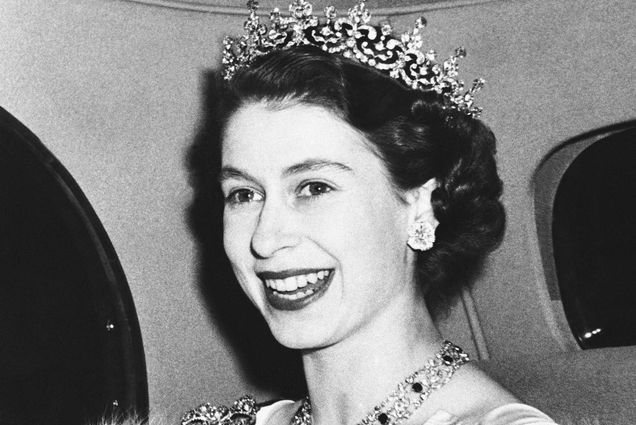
383,418
417,387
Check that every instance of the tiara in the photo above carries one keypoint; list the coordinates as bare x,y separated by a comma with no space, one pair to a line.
353,37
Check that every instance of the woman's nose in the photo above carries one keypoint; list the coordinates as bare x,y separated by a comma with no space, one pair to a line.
274,231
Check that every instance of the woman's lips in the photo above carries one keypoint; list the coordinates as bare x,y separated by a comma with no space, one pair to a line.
294,289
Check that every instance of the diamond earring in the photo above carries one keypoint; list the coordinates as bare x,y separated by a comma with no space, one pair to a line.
422,235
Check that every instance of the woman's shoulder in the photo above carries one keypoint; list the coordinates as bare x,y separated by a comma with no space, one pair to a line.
278,412
244,411
508,414
516,413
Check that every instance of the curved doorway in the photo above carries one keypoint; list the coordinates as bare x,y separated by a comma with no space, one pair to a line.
594,236
71,349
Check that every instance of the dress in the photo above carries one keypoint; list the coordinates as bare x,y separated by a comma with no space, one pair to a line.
246,412
509,414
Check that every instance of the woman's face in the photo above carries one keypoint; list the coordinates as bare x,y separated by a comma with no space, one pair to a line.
314,230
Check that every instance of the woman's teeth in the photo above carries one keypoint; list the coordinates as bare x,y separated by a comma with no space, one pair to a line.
293,290
295,283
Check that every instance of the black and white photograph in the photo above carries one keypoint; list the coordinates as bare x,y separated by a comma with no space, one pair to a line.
329,212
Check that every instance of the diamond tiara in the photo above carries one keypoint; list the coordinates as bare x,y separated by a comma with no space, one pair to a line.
353,37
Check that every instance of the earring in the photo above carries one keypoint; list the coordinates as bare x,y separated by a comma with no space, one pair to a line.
422,235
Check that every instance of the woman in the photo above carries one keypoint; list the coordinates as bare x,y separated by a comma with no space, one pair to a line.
360,195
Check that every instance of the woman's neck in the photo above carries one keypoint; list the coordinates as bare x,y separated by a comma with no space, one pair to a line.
346,380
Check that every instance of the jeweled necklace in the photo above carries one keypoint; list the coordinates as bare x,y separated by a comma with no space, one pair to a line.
409,394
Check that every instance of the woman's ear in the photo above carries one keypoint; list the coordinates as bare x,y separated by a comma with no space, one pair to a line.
419,200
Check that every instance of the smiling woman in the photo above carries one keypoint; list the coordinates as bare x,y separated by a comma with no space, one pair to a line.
324,205
354,208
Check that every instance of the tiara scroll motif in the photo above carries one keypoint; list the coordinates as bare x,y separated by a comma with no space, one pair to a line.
353,37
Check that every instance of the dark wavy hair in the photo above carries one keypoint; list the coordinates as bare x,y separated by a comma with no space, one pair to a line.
415,133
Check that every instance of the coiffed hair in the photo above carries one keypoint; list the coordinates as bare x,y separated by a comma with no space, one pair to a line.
418,135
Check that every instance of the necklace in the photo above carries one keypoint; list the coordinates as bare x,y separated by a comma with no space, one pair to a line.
409,394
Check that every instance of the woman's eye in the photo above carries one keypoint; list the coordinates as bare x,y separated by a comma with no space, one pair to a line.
242,196
313,189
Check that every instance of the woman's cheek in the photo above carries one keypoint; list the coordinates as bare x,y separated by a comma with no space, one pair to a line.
237,233
248,286
237,236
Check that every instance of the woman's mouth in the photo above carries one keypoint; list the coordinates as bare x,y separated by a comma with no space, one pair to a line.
294,289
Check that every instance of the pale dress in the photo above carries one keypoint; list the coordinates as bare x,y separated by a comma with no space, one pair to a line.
509,414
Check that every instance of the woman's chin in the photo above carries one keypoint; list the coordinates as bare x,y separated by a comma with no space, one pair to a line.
301,319
302,343
297,336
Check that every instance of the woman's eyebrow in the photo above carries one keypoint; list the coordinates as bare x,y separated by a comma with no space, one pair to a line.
308,165
315,164
233,173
